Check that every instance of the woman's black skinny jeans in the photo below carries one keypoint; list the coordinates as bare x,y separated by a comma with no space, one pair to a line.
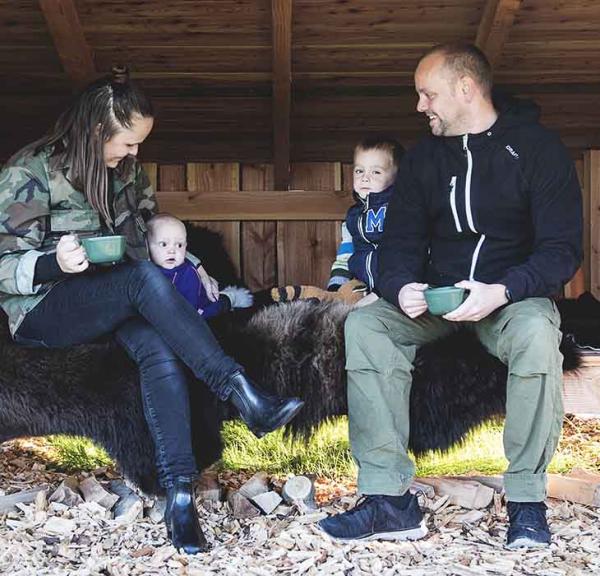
159,330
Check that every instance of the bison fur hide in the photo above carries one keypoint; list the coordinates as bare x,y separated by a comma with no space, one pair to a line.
295,348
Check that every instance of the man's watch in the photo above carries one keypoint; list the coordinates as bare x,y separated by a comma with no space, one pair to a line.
508,295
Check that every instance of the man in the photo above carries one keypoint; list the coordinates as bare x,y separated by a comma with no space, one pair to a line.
490,202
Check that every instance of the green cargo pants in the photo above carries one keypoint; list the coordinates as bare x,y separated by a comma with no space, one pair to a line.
381,343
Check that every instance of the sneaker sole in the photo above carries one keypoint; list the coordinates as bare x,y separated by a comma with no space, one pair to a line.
526,543
397,536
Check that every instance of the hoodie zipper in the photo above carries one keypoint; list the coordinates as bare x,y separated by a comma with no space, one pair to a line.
477,250
453,204
362,233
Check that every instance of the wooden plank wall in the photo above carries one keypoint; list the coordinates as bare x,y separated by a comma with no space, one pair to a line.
280,250
265,253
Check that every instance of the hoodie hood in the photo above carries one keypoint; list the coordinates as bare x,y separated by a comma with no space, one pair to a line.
514,111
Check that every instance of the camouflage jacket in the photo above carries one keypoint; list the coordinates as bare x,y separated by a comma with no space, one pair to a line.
38,204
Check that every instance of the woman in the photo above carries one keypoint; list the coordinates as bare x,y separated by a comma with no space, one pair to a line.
83,179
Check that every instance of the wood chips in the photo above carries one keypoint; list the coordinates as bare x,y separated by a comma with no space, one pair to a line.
42,537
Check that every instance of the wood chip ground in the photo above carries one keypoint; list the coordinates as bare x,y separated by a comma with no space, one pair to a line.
50,538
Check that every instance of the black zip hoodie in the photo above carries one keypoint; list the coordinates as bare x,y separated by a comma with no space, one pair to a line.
503,206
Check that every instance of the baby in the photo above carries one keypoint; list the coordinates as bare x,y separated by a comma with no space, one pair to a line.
167,242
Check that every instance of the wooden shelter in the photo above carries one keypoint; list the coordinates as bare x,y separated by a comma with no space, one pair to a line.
260,102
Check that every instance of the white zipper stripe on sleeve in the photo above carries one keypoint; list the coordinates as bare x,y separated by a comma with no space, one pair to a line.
475,257
453,203
468,183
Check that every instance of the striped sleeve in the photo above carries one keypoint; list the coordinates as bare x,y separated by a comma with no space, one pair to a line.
340,273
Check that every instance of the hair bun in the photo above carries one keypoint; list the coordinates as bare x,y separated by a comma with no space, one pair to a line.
120,74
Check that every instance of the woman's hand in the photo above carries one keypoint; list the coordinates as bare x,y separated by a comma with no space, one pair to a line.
70,255
210,284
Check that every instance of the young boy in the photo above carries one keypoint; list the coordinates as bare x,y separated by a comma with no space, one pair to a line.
354,271
376,162
167,242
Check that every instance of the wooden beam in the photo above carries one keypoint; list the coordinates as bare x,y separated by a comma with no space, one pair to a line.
67,33
281,11
256,205
496,22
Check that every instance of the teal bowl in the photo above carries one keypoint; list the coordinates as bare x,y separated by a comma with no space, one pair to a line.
104,249
442,300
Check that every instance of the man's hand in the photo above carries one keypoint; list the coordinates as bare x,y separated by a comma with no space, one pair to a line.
411,299
481,302
210,284
70,255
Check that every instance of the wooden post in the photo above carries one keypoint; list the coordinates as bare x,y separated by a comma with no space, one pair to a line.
282,81
67,33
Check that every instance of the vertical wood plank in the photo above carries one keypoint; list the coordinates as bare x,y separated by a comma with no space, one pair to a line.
259,248
281,12
306,250
316,176
204,177
347,177
171,177
586,197
591,161
580,281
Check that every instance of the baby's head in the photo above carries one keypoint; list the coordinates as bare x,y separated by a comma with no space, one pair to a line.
167,241
376,161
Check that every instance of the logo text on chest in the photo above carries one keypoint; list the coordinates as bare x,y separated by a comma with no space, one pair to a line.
374,220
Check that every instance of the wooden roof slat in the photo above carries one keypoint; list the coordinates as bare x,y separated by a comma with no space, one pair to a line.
496,22
69,40
282,90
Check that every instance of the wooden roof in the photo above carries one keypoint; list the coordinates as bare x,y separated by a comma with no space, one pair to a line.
328,71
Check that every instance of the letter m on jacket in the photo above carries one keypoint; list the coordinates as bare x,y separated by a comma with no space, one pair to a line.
375,220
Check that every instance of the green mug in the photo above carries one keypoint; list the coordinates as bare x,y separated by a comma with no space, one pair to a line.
104,249
444,299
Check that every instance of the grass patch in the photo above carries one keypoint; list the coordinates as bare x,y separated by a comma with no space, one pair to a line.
76,454
327,453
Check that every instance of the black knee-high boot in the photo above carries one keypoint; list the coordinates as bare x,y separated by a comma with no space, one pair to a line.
262,412
181,518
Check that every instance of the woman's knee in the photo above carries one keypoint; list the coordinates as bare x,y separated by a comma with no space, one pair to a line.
144,344
145,272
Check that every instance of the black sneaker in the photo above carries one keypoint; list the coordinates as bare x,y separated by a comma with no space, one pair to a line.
378,518
528,527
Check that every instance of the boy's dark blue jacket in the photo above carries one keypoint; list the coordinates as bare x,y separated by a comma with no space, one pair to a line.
503,206
365,222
